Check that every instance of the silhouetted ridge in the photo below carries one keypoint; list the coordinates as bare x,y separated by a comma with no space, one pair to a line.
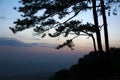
93,67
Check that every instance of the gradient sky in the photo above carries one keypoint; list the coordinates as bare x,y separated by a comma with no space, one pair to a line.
8,15
24,48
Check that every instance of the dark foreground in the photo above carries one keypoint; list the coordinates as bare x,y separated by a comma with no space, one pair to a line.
93,67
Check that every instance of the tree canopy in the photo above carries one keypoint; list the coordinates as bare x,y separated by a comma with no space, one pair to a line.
43,23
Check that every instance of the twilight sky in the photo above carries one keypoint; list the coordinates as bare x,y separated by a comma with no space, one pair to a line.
28,50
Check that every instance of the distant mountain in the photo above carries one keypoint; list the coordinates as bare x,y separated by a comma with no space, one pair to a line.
93,67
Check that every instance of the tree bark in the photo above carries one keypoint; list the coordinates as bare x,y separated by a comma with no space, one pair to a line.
105,27
99,43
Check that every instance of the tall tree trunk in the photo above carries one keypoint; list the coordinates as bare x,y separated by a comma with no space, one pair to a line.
105,27
99,43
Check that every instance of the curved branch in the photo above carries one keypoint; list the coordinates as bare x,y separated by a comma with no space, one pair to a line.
88,34
72,16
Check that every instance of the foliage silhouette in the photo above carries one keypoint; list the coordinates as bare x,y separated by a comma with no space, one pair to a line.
43,23
96,65
89,67
92,65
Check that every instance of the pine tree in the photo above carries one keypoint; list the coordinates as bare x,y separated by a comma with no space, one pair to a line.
43,23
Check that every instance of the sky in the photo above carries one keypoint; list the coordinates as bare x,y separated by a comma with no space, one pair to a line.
24,53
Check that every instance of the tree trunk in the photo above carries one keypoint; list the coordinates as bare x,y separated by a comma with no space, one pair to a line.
99,43
95,50
105,27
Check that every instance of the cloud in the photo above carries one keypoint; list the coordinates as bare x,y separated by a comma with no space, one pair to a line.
2,17
28,60
10,42
47,45
4,41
